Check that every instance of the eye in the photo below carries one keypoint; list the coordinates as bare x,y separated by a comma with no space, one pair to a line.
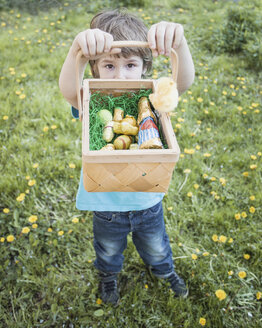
130,65
109,66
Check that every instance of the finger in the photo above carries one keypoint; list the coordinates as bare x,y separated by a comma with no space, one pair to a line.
179,33
114,51
100,41
169,36
151,37
108,42
160,38
91,42
81,42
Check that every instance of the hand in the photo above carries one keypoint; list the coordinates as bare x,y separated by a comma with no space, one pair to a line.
163,36
94,43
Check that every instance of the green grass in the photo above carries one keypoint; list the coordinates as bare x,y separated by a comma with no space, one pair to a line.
47,278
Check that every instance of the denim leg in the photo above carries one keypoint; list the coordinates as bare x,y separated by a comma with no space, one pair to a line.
152,242
110,240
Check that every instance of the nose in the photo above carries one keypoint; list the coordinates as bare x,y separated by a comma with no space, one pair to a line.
119,74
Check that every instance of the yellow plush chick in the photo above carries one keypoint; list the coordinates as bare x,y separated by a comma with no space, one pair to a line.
165,97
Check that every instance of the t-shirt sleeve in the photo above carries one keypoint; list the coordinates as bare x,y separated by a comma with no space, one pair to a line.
74,112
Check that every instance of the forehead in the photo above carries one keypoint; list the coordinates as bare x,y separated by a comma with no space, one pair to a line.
119,57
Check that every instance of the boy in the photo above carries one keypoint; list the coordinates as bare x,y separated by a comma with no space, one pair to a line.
118,213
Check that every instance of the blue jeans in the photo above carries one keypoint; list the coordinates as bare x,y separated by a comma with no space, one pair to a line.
148,234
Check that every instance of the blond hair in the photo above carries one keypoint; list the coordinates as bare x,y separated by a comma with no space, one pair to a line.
123,26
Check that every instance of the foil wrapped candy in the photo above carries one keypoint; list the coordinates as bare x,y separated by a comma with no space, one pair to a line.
148,135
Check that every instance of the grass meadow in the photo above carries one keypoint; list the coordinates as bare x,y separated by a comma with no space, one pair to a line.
213,206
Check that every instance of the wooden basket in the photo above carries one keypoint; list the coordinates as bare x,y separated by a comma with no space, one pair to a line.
145,170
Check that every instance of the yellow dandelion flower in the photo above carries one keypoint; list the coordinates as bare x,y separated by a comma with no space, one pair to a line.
194,256
199,122
45,129
34,226
146,286
189,151
2,240
207,155
253,166
99,301
60,233
187,171
224,93
199,99
196,186
25,230
253,157
178,126
240,108
230,240
205,253
237,216
242,274
198,147
89,261
252,209
31,182
6,210
3,24
244,215
53,127
170,208
222,239
258,295
72,166
5,117
212,103
222,181
202,321
23,75
21,197
259,154
49,229
245,174
230,273
10,238
75,220
22,96
189,194
213,179
35,166
27,177
205,176
215,238
246,256
32,218
221,294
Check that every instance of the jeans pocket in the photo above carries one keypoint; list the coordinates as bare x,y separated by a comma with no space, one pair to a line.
155,209
104,216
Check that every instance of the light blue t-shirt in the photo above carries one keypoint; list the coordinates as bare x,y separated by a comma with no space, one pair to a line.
113,201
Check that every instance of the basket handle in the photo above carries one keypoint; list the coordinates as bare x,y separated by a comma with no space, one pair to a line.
121,44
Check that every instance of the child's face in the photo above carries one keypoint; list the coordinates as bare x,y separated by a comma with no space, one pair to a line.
113,67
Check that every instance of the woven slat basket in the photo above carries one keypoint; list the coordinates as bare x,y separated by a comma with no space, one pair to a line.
146,170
